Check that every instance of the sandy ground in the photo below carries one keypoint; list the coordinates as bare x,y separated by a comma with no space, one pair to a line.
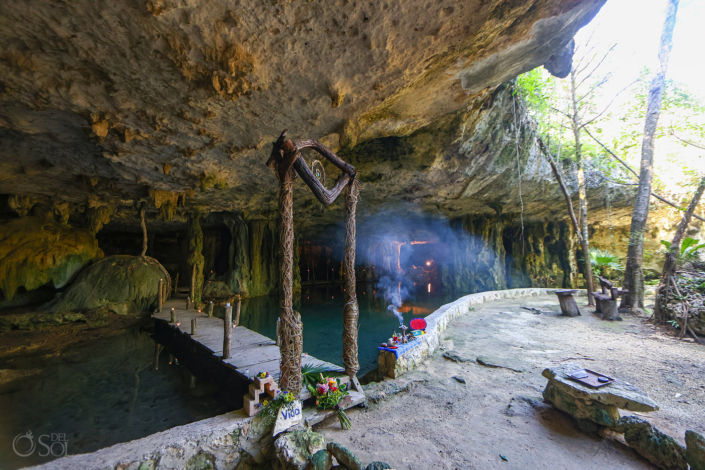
441,423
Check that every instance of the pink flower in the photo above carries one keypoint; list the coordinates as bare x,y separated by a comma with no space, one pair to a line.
322,389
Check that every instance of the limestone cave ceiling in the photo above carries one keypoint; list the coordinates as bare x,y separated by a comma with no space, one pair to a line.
177,102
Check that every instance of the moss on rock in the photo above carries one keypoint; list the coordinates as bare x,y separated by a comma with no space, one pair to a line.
125,284
36,251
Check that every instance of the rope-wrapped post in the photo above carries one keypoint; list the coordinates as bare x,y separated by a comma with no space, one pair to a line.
227,331
351,311
292,337
176,284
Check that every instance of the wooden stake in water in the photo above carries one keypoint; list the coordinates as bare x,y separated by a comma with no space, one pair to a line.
237,313
176,284
194,327
227,331
160,298
157,350
173,315
210,308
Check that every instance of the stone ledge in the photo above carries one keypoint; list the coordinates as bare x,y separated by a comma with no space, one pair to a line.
223,440
393,367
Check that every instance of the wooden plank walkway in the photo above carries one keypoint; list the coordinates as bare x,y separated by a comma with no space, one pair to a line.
251,352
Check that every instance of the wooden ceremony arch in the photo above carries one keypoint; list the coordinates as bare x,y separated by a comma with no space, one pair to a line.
285,159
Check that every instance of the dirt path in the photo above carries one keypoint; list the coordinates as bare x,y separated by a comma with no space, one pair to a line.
442,423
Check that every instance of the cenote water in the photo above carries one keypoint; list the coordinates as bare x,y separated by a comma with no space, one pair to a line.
109,391
99,395
321,311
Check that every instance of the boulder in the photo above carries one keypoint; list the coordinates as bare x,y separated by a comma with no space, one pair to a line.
605,415
344,456
321,460
295,450
695,450
657,447
125,284
621,394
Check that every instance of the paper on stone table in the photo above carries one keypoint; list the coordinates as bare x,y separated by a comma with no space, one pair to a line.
289,416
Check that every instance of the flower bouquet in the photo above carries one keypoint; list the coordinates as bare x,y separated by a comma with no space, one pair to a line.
329,392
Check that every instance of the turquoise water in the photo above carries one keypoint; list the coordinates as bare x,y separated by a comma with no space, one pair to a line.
321,311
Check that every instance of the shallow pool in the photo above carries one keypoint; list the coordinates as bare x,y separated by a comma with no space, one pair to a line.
99,395
321,311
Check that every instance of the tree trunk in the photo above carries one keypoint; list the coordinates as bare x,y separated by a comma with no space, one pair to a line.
633,273
669,267
582,192
566,194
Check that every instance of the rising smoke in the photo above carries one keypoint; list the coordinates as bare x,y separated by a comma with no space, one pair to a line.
395,291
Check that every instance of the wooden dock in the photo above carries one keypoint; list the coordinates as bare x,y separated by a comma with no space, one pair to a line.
251,352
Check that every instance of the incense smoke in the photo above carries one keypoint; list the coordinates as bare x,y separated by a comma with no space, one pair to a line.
394,291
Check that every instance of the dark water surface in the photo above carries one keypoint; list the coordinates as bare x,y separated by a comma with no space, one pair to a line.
99,395
321,311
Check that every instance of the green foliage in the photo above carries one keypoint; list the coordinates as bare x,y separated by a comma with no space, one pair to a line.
690,249
605,263
270,408
311,374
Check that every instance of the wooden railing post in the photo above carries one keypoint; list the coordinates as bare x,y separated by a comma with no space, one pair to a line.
227,331
160,294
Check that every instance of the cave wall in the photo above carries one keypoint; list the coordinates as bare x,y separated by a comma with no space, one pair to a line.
35,251
493,253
